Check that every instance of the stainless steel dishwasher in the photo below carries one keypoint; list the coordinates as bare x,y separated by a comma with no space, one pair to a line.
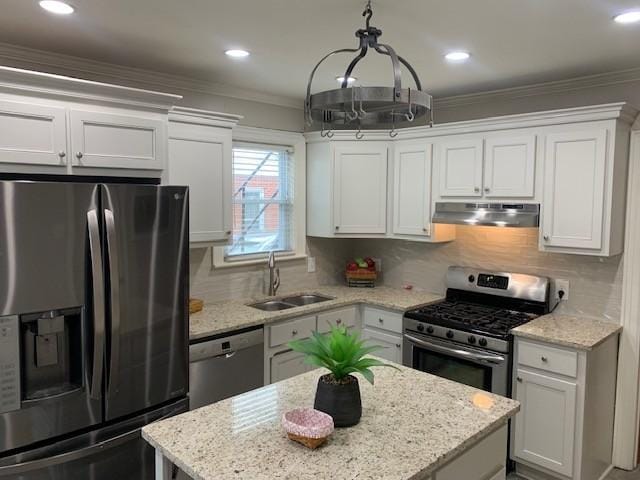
225,365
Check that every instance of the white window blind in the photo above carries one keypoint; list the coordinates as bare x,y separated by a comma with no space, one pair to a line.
262,201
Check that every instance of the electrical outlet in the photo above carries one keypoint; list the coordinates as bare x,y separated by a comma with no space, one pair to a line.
311,264
378,264
561,285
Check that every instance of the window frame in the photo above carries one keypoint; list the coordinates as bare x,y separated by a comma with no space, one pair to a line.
296,142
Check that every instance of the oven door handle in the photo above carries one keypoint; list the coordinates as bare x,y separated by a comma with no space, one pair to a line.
457,352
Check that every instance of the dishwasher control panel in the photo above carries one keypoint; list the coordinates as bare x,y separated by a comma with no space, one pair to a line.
225,345
9,364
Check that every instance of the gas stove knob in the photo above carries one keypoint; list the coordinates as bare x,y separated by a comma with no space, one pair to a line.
483,342
449,334
471,339
430,329
420,327
471,279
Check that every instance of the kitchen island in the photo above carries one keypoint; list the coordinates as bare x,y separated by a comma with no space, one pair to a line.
414,425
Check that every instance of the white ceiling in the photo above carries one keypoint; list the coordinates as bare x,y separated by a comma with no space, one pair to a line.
513,42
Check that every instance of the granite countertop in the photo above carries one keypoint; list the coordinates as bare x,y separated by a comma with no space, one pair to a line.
568,330
412,424
230,315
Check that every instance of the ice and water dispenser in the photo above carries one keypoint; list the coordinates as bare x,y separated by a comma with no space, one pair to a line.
40,356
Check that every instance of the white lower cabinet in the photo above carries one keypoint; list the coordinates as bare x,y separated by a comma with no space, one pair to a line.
546,424
287,364
391,343
565,425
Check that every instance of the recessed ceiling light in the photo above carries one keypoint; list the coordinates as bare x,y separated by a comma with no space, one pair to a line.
632,16
236,53
349,80
458,56
55,6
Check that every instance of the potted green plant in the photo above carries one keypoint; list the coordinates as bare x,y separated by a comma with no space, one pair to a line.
342,353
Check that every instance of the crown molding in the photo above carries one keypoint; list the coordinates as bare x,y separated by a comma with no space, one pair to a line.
609,111
23,57
537,89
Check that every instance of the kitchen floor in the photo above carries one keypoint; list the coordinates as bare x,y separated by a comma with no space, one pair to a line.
615,475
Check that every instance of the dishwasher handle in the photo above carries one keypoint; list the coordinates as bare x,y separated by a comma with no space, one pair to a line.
225,347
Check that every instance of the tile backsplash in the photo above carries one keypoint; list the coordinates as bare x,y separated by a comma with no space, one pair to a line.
595,282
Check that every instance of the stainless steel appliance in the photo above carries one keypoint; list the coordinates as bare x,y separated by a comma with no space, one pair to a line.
466,337
226,365
93,325
488,214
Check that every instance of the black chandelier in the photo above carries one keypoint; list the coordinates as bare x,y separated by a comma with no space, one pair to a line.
360,107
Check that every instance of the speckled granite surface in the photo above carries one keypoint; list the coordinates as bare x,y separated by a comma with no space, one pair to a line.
412,424
567,331
222,317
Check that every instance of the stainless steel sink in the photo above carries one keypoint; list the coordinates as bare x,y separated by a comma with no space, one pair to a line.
306,299
290,302
272,305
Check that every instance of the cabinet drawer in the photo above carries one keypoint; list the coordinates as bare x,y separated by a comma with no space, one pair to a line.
292,330
550,359
345,317
390,321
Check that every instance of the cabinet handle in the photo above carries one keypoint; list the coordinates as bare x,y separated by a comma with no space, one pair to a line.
62,154
519,379
294,332
79,155
476,189
487,189
545,238
544,359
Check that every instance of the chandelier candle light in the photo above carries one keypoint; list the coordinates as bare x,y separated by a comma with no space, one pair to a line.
360,107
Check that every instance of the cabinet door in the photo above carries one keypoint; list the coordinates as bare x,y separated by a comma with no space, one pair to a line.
544,427
32,134
203,163
360,188
104,140
510,166
392,344
574,187
412,188
460,164
287,364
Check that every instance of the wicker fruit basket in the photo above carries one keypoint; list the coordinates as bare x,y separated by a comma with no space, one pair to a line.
307,426
361,273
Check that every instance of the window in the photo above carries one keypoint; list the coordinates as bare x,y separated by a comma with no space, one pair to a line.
262,201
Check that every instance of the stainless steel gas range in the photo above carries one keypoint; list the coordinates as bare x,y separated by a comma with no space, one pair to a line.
466,337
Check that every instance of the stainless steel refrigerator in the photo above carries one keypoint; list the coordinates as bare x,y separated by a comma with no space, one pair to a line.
93,326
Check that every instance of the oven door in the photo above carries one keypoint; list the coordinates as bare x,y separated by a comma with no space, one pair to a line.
472,366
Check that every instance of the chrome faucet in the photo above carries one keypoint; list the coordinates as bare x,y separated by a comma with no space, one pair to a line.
274,274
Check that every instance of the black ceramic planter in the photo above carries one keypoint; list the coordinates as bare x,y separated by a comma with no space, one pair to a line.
340,400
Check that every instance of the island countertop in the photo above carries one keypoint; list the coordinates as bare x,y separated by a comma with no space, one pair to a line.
412,424
229,315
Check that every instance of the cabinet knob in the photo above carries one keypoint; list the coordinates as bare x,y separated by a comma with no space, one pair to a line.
62,154
294,332
476,189
398,345
380,320
339,321
79,155
519,379
337,227
487,189
544,359
228,232
546,238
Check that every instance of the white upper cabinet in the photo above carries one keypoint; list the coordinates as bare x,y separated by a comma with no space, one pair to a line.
200,157
460,167
509,170
105,140
360,188
575,169
32,134
412,188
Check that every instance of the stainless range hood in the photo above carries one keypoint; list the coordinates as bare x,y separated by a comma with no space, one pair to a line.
488,214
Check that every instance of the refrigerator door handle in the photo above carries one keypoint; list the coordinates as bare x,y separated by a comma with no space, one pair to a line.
69,456
114,275
98,303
